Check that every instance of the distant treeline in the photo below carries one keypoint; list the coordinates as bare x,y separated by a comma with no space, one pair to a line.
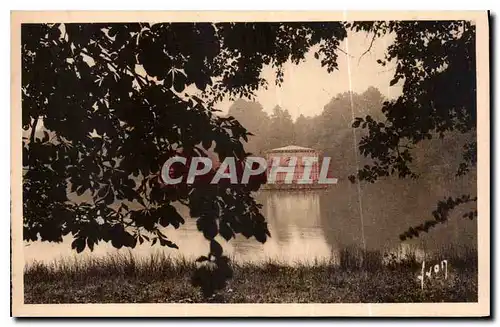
322,132
331,132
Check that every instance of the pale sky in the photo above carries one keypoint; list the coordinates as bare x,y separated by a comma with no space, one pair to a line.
308,87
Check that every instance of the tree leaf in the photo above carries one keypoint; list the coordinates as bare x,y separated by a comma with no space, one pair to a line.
215,248
78,244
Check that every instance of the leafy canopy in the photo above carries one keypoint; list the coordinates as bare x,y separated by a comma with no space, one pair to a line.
114,102
435,61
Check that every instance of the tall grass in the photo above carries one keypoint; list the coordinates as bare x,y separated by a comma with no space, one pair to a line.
159,265
156,265
352,276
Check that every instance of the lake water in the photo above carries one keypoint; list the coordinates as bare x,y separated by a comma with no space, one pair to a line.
312,225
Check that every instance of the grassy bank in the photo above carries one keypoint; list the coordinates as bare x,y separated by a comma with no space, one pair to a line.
355,277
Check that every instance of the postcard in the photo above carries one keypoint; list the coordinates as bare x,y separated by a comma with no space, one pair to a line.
252,164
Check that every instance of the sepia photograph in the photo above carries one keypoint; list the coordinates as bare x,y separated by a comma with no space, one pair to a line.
180,163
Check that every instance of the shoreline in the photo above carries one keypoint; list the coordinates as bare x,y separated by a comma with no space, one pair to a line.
161,279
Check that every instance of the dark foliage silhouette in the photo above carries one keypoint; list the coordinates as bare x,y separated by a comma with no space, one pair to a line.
112,103
435,62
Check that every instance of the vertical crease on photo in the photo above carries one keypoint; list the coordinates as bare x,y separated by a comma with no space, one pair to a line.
355,142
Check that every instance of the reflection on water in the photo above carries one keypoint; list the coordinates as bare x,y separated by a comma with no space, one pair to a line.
309,225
